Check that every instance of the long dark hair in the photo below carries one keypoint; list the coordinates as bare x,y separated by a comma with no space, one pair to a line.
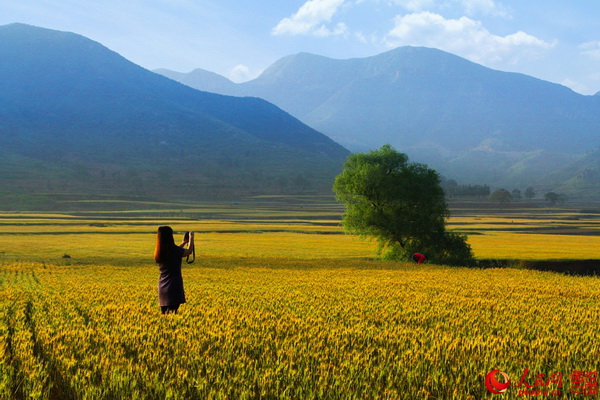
165,244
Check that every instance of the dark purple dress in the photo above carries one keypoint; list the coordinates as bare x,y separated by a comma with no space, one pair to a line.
170,283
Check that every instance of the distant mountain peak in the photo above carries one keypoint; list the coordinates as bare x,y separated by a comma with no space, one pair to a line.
71,105
33,32
437,107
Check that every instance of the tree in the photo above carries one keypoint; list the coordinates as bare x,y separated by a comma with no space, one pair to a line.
529,193
501,196
553,197
400,204
453,189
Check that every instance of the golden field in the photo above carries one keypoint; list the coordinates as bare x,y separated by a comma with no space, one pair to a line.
281,304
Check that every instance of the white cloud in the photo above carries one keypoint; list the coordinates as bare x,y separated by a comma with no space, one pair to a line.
469,7
591,49
310,19
240,73
340,29
465,37
361,38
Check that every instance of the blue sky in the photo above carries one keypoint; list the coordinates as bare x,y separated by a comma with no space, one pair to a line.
554,40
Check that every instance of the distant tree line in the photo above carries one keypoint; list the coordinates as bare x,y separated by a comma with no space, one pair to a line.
454,190
502,195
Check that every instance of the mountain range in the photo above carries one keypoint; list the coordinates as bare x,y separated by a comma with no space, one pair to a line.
77,117
471,123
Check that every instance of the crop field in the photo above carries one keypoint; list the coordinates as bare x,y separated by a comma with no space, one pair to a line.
282,304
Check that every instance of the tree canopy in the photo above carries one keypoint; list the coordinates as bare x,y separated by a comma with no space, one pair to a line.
529,193
399,203
500,196
553,197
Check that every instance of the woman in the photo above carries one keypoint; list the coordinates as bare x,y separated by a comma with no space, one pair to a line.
168,257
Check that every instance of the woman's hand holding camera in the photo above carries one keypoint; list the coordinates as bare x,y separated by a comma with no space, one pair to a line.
188,236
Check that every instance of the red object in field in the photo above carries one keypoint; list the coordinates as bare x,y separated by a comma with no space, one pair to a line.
418,257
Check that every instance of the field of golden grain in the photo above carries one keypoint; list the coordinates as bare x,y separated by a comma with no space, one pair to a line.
282,305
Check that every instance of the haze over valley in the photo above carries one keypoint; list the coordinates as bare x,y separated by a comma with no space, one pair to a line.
77,118
472,123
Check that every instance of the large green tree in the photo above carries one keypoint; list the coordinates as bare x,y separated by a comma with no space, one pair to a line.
401,204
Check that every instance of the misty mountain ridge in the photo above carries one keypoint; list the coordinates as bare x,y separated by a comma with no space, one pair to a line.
470,122
581,176
77,116
210,81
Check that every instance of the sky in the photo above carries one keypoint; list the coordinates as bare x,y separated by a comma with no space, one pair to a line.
554,40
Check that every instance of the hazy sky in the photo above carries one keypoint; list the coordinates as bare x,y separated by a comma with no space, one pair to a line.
555,40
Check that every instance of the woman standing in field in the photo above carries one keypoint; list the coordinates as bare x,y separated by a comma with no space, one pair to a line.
168,256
